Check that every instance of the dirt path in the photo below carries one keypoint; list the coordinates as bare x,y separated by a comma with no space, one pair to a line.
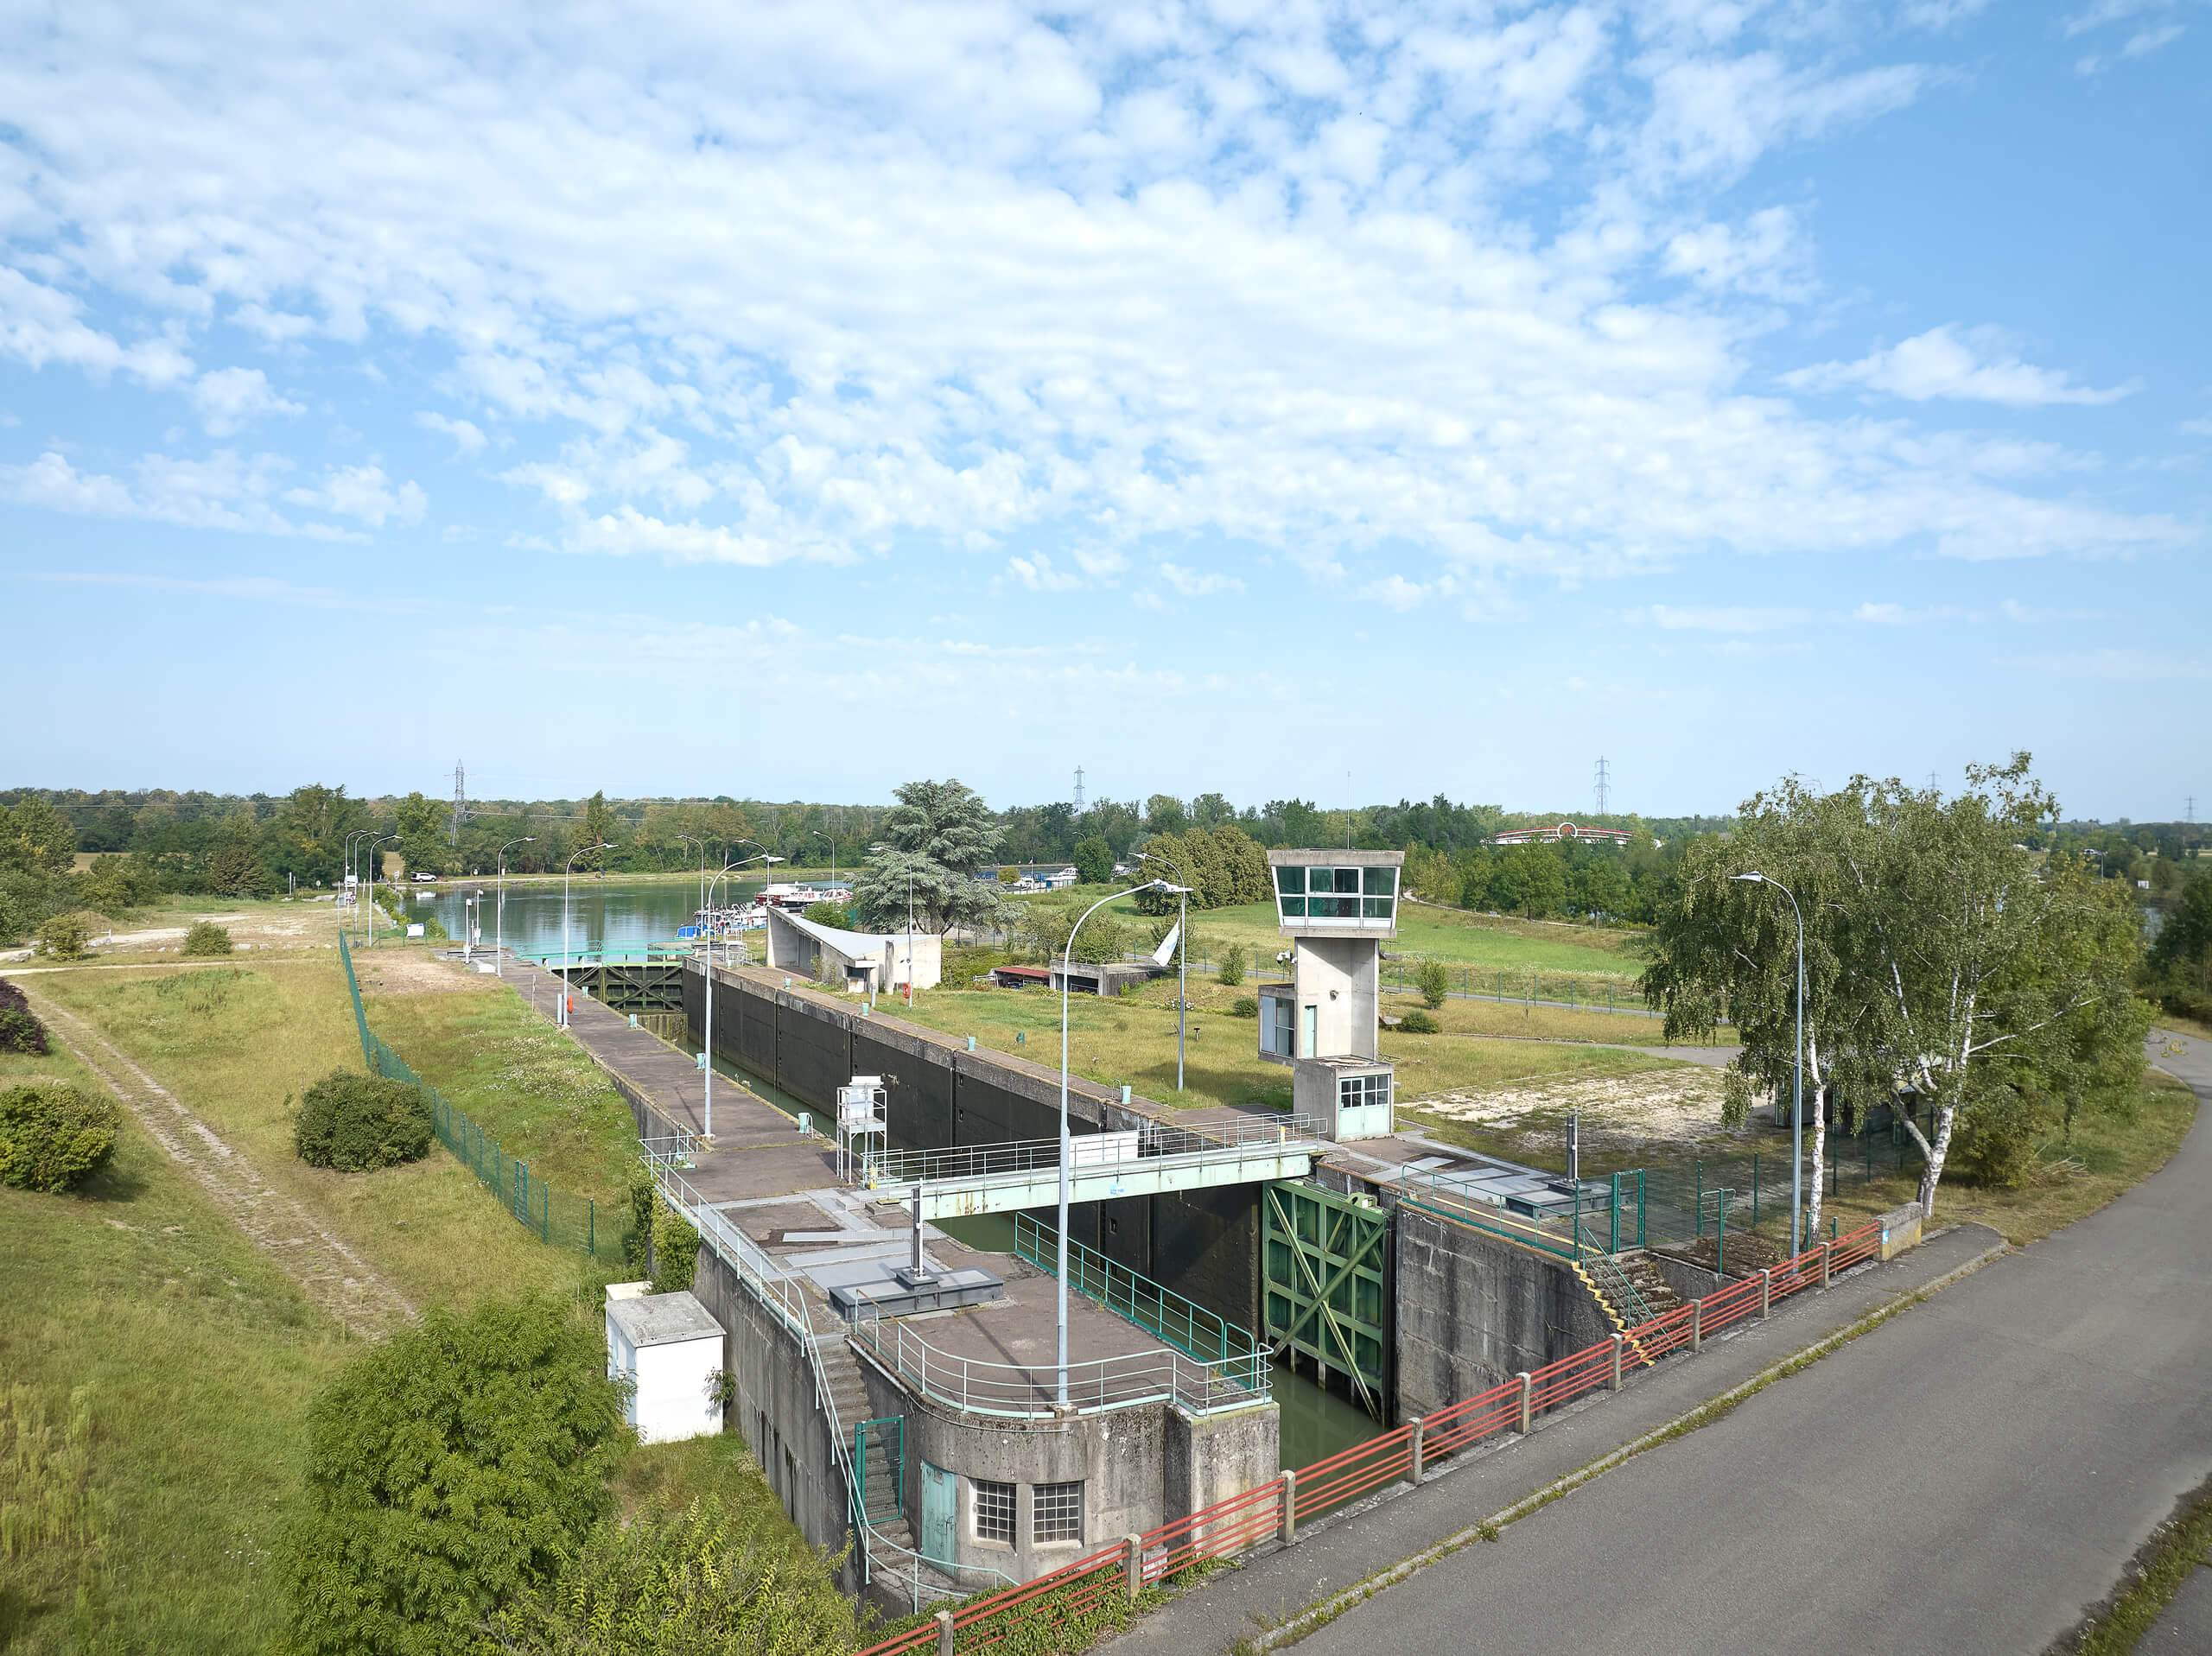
333,1275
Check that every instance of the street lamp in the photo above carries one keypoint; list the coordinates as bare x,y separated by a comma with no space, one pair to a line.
706,1049
822,834
372,854
1182,954
1067,958
499,909
569,869
1797,1082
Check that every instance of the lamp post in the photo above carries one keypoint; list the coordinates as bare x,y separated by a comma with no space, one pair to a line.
832,838
1797,1079
707,1050
499,908
1067,958
566,870
1182,954
351,869
373,844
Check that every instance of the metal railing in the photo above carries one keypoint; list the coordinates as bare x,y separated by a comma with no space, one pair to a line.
1153,1138
1190,1327
1030,1390
1614,1283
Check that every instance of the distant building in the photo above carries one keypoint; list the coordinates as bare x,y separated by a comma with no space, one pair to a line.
1564,831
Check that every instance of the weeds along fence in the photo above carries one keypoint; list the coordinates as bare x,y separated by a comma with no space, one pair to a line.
554,1216
1576,990
1027,1617
1688,1204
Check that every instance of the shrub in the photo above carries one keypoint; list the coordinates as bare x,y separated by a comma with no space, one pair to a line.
1232,966
356,1123
64,937
1418,1022
698,1580
833,915
450,1470
206,937
1995,1141
53,1137
675,1251
1244,1007
19,1030
1435,983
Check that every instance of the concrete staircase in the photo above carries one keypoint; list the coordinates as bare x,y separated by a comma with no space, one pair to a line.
1631,1290
891,1543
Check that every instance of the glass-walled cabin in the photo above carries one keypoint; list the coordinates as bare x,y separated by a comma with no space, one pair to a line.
1335,898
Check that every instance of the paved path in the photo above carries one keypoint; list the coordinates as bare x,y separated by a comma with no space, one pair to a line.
1971,1477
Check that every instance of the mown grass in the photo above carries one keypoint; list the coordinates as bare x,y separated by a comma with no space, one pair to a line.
196,1359
520,1080
240,1045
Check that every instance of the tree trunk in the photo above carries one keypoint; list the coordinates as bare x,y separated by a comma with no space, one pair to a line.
1819,1169
1932,1174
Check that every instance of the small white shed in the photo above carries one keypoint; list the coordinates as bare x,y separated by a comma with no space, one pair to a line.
668,1348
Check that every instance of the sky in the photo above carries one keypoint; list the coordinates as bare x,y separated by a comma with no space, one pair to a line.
1280,399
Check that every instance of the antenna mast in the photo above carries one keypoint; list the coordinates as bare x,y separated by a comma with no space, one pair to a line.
1079,790
459,803
1604,788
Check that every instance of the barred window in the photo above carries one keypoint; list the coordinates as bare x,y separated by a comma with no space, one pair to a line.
1056,1513
994,1511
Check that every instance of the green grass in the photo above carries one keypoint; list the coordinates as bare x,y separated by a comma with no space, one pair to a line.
521,1080
1428,1064
197,1358
238,1045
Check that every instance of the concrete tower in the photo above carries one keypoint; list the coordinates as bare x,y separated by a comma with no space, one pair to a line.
1339,908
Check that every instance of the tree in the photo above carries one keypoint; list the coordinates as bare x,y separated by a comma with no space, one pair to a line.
1211,810
599,829
2180,964
234,867
1435,980
450,1470
935,839
1530,879
36,837
1232,965
112,885
64,936
696,1581
421,824
1094,861
206,937
1222,867
1164,814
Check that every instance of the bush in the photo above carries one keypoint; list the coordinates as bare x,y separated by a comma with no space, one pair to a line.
833,915
697,1580
1995,1141
1232,965
1244,1007
357,1123
19,1030
53,1137
206,937
64,937
1435,983
450,1470
1418,1022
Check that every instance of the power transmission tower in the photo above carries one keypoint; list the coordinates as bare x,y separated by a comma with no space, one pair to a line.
1605,788
459,803
1079,790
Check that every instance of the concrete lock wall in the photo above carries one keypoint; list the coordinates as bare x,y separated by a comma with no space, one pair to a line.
1204,1245
774,1409
1472,1312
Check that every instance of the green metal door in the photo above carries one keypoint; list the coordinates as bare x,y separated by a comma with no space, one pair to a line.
937,1496
1326,1260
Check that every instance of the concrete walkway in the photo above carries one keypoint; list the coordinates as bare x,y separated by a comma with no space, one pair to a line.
1971,1477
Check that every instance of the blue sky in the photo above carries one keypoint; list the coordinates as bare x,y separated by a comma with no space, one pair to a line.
1274,399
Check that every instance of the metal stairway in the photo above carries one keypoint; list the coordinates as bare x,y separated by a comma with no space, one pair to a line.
1628,1288
888,1556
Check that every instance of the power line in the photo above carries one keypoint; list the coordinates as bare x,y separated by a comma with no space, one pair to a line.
459,802
1605,788
1079,790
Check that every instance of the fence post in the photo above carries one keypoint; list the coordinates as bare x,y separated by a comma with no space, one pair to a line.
1417,1450
944,1633
1697,1325
1613,1379
1613,1238
1639,1207
1700,1198
1755,1189
1766,1293
1826,1249
1133,1566
1286,1507
1527,1394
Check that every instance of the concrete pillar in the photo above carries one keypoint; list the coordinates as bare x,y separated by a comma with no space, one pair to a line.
1286,1508
1766,1293
1697,1325
1132,1564
944,1633
1613,1378
1415,1447
1527,1394
1826,1250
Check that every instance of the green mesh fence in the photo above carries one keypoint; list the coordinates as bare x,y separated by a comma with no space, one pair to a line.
1576,990
554,1216
1685,1205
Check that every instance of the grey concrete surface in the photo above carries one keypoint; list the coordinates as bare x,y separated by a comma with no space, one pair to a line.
1969,1477
2187,1624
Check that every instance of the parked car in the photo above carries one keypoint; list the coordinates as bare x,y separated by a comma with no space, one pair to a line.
420,878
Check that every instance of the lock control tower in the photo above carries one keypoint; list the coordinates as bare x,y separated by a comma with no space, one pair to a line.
1339,908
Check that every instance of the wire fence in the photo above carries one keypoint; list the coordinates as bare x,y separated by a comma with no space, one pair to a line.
1025,1616
556,1217
1576,990
1751,1193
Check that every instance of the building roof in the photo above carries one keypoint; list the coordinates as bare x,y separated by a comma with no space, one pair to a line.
854,945
663,1319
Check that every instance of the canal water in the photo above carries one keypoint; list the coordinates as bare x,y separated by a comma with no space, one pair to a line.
612,912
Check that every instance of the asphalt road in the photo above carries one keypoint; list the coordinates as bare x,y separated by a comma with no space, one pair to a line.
1969,1477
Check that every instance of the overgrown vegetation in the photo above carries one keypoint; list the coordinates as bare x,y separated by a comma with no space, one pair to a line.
206,938
54,1136
19,1030
64,937
355,1123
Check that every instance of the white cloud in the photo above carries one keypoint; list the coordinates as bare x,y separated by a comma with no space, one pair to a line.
466,438
1942,15
363,492
1898,615
224,492
230,399
41,325
1037,574
2197,427
1765,258
1398,593
1192,584
1693,618
1942,362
